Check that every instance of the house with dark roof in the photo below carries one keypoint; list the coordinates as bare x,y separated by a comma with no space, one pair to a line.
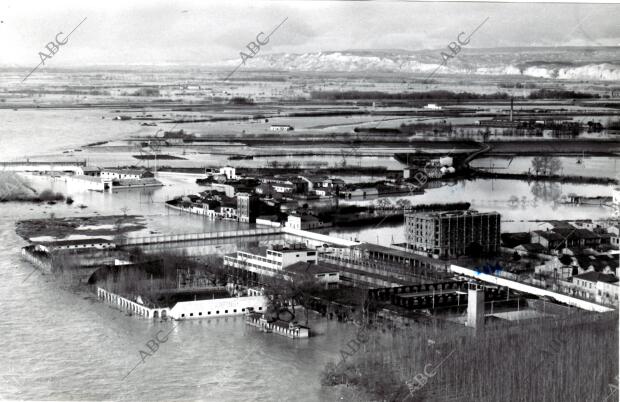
599,263
548,239
591,285
530,249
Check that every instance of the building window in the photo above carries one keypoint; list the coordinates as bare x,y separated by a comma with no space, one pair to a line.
225,311
260,308
208,313
182,315
217,312
242,310
191,314
235,310
200,313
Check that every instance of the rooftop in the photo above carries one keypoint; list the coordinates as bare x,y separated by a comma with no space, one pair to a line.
290,247
549,235
126,171
597,277
453,213
533,247
94,240
302,267
171,298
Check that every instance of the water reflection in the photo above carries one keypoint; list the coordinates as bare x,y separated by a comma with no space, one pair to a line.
528,202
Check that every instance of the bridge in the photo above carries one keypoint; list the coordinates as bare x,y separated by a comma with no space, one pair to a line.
530,289
192,237
317,238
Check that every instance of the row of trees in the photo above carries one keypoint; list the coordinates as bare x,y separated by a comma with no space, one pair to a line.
425,95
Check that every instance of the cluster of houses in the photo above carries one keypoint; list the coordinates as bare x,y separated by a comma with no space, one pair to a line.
434,168
580,258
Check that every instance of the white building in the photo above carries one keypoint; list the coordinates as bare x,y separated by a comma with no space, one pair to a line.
303,222
607,293
79,244
229,172
445,161
281,127
88,171
432,106
218,307
274,261
126,174
193,309
587,285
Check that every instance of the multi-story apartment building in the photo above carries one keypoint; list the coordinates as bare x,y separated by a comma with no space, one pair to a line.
452,233
247,207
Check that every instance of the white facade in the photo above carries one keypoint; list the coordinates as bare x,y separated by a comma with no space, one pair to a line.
276,127
303,222
87,171
607,293
272,263
445,161
432,106
267,222
77,245
115,175
229,172
218,307
282,188
229,306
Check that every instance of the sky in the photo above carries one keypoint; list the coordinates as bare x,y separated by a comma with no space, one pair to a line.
157,32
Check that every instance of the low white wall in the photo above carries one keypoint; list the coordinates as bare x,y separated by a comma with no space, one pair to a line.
130,306
218,307
266,222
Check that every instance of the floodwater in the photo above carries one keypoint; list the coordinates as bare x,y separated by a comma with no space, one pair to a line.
61,344
536,201
589,166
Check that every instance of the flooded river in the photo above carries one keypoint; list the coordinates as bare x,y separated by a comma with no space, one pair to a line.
61,344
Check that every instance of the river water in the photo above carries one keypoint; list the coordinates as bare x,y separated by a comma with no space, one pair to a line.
61,344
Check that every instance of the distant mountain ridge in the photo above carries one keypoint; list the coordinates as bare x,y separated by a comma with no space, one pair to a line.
580,63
